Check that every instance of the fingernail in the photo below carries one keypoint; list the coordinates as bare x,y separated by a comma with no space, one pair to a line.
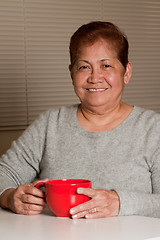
79,190
71,211
74,216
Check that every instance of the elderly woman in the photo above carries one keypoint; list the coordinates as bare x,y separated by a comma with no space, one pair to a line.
103,139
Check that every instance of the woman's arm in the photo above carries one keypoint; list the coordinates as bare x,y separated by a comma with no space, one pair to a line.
122,201
21,163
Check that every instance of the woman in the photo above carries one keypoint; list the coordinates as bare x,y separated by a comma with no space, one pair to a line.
102,139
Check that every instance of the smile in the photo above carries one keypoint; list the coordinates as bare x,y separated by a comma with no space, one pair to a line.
96,89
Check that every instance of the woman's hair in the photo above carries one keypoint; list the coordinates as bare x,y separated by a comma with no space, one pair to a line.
93,31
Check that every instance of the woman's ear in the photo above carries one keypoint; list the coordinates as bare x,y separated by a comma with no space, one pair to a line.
70,67
71,73
70,70
128,73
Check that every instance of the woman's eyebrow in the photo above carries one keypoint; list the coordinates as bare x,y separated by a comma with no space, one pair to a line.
104,59
101,60
81,60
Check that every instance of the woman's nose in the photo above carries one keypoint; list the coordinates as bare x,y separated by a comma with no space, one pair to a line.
95,77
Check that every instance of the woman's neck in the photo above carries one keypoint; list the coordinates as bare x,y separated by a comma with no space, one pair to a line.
102,120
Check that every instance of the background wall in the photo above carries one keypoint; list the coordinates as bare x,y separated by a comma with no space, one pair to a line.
6,138
34,55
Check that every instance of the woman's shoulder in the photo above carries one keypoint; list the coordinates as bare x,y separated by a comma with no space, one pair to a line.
143,112
146,116
61,111
58,114
52,117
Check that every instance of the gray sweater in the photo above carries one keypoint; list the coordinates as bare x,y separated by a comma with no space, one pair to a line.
125,159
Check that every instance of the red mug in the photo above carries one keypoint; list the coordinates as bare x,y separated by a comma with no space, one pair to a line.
61,195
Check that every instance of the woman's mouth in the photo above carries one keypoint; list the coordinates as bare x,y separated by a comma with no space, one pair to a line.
96,89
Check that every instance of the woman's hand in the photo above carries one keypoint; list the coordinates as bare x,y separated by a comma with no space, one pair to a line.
25,199
103,203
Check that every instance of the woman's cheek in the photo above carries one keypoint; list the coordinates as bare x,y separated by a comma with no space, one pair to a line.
114,80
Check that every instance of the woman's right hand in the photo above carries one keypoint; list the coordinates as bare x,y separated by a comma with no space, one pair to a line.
25,199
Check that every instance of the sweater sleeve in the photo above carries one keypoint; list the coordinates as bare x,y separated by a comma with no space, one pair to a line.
20,164
136,203
140,203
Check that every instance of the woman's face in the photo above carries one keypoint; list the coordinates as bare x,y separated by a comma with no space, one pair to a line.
98,76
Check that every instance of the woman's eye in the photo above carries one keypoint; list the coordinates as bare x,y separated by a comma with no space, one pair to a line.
107,66
83,67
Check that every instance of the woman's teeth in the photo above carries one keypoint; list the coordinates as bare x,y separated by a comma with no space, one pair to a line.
96,90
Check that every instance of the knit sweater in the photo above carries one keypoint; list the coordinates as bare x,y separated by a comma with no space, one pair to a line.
125,159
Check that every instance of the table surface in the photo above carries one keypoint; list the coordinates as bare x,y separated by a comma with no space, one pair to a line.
47,226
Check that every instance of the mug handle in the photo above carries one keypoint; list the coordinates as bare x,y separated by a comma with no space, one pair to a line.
40,184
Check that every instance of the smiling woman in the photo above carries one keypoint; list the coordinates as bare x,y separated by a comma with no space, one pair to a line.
98,78
103,139
99,70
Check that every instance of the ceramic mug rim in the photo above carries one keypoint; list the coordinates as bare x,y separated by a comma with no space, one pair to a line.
67,182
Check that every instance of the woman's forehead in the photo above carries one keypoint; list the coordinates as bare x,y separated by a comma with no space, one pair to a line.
100,46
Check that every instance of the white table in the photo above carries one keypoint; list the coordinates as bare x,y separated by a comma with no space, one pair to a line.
46,226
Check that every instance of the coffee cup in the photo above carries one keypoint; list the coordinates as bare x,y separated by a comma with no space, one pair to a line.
61,194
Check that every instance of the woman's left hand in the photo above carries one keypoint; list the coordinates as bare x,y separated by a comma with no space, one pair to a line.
103,203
